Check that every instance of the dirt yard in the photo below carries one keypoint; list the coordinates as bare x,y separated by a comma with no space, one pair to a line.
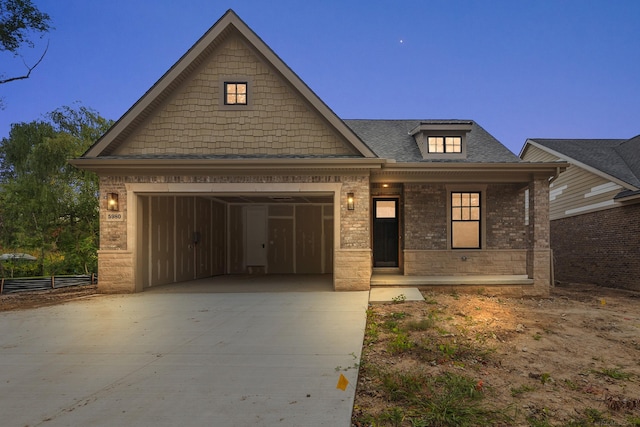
25,300
571,359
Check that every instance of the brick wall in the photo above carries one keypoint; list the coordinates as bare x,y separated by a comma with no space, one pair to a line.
425,210
352,267
116,272
352,270
505,217
425,216
426,253
600,247
355,225
113,234
539,251
465,263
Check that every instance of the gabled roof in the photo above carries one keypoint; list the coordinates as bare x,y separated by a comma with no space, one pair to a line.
383,147
391,139
229,24
616,159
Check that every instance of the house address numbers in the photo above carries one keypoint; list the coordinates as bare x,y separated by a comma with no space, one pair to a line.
115,216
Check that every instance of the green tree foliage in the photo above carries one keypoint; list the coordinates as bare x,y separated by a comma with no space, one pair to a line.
47,206
18,20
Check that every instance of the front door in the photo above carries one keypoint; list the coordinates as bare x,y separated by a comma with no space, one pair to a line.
385,232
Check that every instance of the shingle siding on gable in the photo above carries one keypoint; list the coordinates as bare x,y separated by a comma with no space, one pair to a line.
276,122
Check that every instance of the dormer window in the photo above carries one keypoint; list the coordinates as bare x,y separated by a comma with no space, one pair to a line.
444,144
442,139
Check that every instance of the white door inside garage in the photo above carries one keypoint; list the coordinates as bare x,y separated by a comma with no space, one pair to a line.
297,238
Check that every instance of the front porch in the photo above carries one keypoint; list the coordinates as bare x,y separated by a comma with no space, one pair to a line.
503,284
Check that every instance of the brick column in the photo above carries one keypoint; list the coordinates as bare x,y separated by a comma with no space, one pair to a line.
352,260
539,250
115,262
116,272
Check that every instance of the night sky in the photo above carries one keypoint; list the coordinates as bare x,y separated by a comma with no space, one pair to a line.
521,69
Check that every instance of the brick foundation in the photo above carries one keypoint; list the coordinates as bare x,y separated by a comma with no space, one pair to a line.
465,263
352,270
116,272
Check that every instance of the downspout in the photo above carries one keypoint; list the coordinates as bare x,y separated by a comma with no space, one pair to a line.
553,178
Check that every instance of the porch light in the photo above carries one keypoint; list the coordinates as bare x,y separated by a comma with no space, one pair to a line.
112,201
350,202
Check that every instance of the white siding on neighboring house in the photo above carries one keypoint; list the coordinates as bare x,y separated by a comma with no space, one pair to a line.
534,154
575,191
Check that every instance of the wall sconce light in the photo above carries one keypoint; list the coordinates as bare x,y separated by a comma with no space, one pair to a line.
112,201
350,201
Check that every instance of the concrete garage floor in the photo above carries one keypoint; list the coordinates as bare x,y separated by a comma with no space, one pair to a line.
184,357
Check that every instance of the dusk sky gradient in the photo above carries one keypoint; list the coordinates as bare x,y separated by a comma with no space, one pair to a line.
520,68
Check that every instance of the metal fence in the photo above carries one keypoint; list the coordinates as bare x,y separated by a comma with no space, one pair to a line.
8,286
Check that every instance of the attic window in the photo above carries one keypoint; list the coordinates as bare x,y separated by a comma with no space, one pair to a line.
235,93
444,144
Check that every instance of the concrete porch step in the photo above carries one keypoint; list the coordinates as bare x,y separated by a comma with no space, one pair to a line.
479,280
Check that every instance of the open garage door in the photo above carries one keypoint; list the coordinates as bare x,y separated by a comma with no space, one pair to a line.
189,237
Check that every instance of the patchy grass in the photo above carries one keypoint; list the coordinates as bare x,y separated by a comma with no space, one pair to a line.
475,360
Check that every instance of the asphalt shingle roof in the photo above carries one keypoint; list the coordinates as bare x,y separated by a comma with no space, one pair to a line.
619,158
390,139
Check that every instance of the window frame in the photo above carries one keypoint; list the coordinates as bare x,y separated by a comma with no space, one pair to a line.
444,144
222,95
481,190
225,95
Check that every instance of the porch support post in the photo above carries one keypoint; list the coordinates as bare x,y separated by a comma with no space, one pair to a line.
539,249
116,258
352,257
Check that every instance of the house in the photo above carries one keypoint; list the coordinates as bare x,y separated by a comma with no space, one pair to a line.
230,164
594,209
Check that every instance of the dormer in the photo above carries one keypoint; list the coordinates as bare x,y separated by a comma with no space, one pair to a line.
440,140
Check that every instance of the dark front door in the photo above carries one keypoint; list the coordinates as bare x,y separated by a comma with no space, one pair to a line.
385,232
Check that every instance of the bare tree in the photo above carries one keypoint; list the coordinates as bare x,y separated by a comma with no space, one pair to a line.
29,69
19,20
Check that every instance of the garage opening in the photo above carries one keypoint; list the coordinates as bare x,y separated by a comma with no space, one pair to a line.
186,237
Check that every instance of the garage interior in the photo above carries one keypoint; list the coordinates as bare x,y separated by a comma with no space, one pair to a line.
186,237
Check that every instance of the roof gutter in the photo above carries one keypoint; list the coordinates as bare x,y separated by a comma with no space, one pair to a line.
192,166
464,172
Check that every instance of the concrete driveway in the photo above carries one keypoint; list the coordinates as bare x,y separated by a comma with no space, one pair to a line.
183,359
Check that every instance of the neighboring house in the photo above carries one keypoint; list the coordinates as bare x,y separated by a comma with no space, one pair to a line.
594,208
230,164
